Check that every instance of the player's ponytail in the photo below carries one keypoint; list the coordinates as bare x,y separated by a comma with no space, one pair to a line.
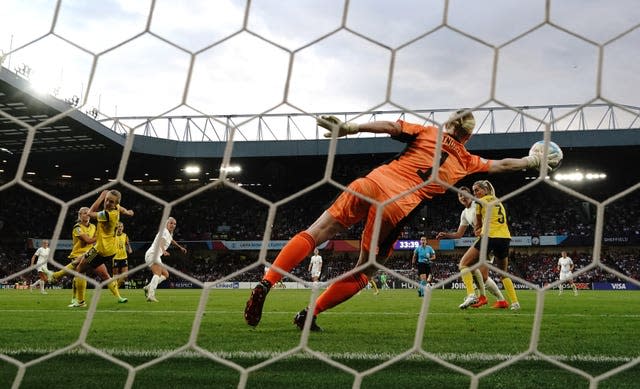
486,185
490,188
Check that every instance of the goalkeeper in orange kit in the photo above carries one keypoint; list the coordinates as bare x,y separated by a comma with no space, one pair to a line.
403,178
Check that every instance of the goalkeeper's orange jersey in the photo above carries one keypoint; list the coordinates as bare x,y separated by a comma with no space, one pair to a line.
413,166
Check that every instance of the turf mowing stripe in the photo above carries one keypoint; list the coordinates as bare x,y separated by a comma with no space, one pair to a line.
456,313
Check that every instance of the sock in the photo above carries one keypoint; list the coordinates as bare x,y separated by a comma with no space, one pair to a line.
339,292
153,285
423,283
511,291
162,278
80,285
35,284
477,276
467,278
60,273
493,288
374,286
113,287
291,255
560,287
573,286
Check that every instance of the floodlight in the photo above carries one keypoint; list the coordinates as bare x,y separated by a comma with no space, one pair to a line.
192,169
231,169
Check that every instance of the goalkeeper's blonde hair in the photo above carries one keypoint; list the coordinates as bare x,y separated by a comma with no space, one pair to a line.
461,124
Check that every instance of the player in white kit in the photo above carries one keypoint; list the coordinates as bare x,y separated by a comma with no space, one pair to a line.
42,253
315,266
565,267
153,258
481,275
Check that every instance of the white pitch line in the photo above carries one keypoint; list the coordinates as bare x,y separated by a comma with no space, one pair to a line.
452,357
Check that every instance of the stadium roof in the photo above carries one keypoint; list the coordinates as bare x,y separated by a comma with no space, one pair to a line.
73,135
76,144
71,130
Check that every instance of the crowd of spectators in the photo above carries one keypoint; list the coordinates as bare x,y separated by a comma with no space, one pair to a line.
225,213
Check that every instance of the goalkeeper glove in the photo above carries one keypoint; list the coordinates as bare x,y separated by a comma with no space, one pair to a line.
330,122
534,161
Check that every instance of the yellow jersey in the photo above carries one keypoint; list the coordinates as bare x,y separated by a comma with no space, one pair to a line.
106,232
121,246
497,226
79,246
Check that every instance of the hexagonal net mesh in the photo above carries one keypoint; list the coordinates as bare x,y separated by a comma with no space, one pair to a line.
311,55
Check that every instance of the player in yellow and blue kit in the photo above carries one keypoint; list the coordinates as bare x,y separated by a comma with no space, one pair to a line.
104,248
121,259
83,238
499,235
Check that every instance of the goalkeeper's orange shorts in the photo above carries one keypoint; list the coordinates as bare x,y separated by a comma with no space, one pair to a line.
349,209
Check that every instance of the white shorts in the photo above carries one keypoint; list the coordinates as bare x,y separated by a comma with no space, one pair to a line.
315,274
565,276
43,269
151,260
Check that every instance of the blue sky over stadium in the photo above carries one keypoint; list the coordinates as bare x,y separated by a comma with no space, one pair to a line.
201,53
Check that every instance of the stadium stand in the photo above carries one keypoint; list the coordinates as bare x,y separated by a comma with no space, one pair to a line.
276,172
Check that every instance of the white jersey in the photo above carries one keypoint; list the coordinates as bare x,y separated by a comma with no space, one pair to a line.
468,216
43,255
565,264
160,244
316,265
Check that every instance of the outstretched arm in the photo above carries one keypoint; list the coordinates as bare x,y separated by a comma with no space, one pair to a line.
529,162
183,249
381,127
332,123
453,235
509,165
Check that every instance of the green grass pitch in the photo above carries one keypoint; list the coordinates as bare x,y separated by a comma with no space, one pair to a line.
590,334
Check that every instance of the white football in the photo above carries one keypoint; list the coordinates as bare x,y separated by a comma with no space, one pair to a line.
538,149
